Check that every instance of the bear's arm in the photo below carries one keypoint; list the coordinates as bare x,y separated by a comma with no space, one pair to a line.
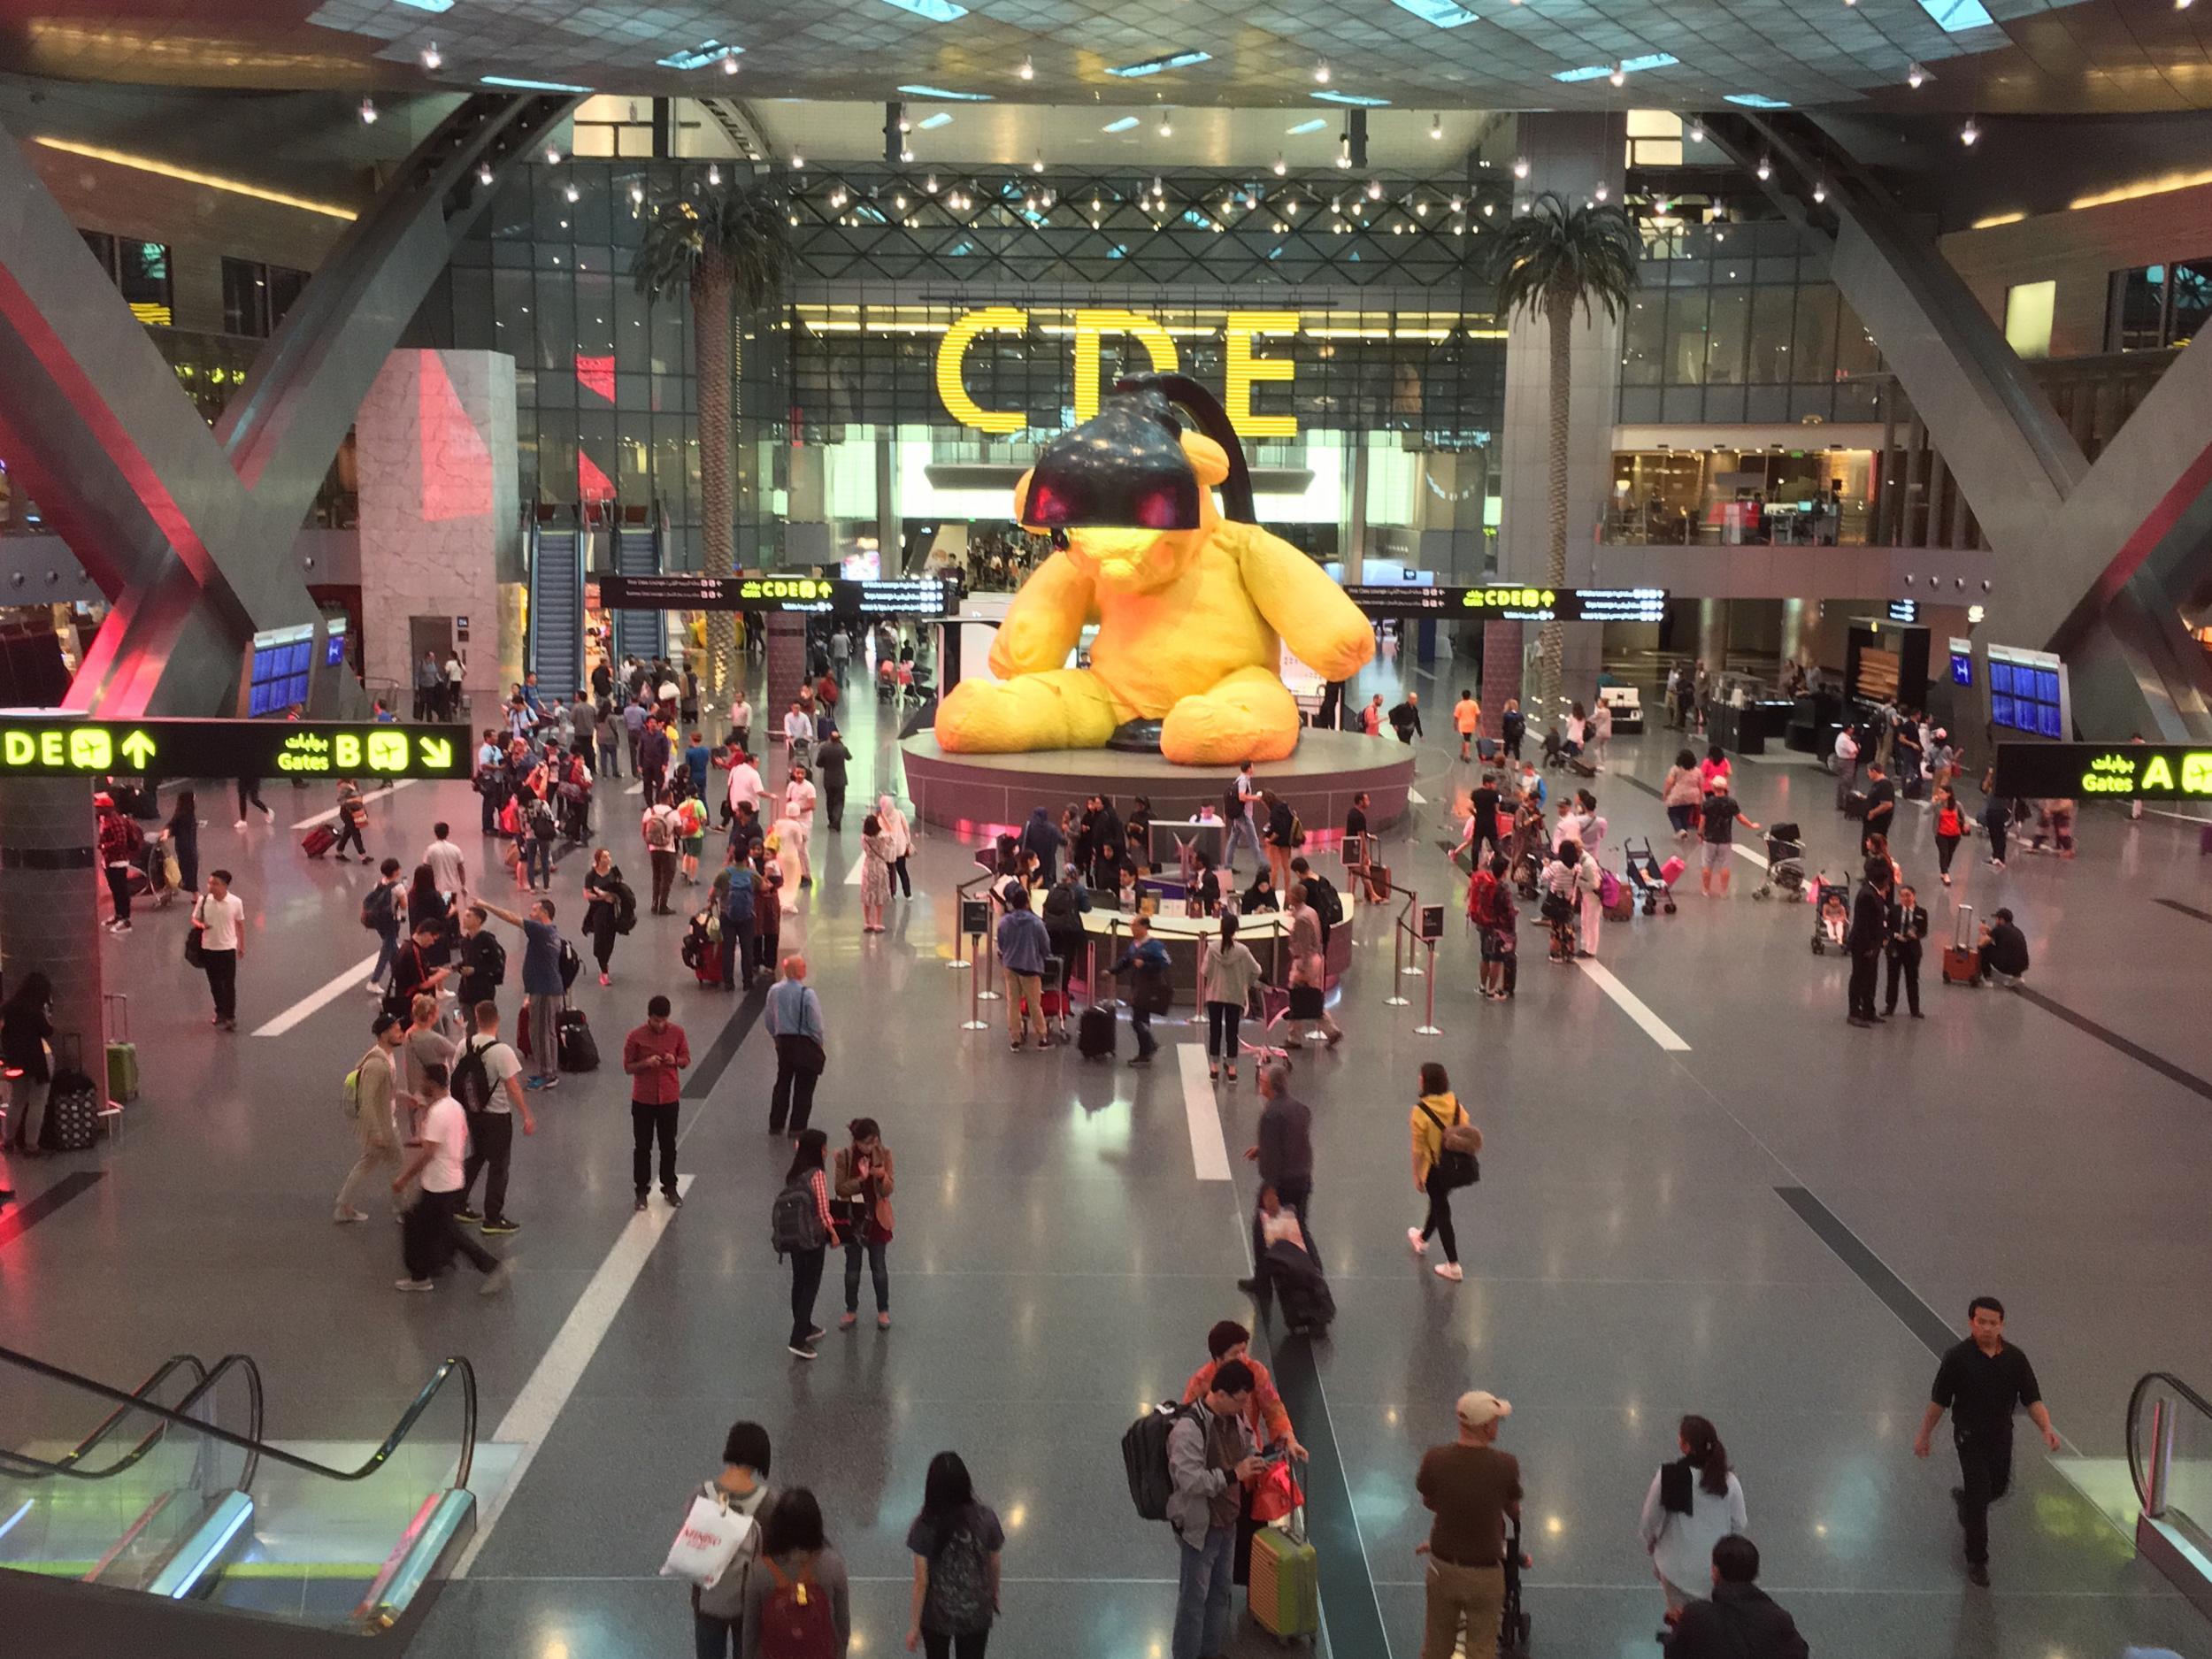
1044,621
1327,631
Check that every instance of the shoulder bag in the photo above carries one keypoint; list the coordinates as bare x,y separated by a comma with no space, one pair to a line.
194,946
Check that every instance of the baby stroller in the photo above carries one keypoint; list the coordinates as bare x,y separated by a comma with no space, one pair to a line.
1514,1627
1308,1308
1832,913
887,684
1785,863
1647,877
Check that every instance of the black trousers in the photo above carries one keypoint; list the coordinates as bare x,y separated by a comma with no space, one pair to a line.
1986,1474
1903,965
1440,1215
1222,1019
1865,966
737,952
1946,845
834,803
899,875
1485,835
120,890
491,1149
648,1123
348,831
792,1103
806,1284
250,793
431,1237
222,981
663,876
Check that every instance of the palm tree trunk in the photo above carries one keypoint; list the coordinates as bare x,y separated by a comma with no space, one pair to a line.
712,337
1559,312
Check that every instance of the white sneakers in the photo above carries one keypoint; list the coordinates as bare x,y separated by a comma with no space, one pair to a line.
1420,1245
1443,1269
1449,1270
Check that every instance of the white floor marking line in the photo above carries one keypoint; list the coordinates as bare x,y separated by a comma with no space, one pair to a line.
1752,853
531,1418
1633,1006
1208,1145
636,789
325,817
351,980
1417,797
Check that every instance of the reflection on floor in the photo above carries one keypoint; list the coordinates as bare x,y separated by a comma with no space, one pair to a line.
1057,1260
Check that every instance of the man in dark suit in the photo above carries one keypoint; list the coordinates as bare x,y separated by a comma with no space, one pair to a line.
1869,934
1908,928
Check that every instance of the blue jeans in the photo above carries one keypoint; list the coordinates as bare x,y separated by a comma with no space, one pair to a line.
387,950
1242,829
1202,1598
537,860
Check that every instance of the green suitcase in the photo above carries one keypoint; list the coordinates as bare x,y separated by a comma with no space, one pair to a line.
122,1052
1285,1591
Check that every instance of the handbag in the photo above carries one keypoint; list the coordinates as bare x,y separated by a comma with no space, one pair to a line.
1277,1494
194,951
710,1538
808,1057
1456,1159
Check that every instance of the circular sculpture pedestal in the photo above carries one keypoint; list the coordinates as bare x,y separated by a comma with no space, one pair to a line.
975,792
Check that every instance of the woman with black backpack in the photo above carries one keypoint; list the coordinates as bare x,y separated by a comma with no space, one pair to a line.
609,897
1444,1148
807,1245
956,1542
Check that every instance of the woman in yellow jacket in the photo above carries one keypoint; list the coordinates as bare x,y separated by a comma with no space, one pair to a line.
1437,1110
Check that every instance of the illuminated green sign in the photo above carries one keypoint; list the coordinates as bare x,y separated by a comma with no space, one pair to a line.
2132,772
44,747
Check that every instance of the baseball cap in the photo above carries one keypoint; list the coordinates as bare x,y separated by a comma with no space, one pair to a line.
1479,1406
382,1023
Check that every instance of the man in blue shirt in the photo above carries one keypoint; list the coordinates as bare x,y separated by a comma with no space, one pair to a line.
1023,946
1147,959
543,989
794,1020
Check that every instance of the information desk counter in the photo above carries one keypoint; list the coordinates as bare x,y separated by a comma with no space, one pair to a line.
1266,933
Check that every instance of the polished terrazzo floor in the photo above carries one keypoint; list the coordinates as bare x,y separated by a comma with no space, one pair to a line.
1710,1228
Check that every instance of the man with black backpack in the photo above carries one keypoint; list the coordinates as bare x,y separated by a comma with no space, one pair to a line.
380,914
487,1082
483,960
1321,893
1210,1458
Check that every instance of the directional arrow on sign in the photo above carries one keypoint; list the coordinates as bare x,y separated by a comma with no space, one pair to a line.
138,748
437,752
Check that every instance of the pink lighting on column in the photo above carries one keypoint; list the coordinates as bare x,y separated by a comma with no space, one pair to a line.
591,483
457,464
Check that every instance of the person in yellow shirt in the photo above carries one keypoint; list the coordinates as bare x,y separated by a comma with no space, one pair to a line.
1435,1174
1467,716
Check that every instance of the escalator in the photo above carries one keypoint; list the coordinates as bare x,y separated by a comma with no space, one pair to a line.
163,1520
2169,1459
556,606
637,552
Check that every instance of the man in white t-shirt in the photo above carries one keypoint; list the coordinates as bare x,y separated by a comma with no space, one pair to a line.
741,721
448,870
220,916
487,1082
797,824
745,782
454,699
430,1234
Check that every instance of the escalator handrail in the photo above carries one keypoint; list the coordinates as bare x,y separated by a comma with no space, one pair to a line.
208,1380
454,1365
39,1469
2143,1385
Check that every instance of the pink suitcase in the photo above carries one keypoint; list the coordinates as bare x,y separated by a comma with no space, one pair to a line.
1671,870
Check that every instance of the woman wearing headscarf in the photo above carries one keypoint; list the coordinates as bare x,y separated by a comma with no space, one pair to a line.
899,841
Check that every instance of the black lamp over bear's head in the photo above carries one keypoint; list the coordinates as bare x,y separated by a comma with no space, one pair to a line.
1125,467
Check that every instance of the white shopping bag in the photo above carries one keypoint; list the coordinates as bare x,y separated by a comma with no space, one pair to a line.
711,1536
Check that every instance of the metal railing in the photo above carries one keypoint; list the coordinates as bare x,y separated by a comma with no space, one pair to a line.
2169,1453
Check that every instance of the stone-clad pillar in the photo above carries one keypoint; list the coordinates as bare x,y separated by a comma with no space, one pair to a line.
49,888
786,673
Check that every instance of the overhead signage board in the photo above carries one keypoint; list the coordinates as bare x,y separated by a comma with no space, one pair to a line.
37,746
2128,772
1502,603
808,596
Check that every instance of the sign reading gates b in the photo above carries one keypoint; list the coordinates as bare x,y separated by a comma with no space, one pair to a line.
38,747
2085,772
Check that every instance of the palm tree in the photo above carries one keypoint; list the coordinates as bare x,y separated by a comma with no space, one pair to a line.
1548,261
722,242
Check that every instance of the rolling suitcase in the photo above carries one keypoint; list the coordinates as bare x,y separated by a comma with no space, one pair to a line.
73,1102
122,1052
1096,1032
1285,1594
319,841
1962,962
574,1044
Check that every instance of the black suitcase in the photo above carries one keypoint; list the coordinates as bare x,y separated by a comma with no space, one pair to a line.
573,1043
73,1102
1854,805
1094,1032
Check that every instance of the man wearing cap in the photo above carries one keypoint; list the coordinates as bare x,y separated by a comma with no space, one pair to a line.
1470,1486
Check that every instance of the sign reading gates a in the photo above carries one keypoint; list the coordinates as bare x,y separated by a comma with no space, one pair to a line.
45,748
2132,772
825,595
1502,603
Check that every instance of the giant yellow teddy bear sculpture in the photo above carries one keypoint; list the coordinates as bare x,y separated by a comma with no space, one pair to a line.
1189,623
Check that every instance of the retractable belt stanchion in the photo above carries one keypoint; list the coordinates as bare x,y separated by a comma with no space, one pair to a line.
1399,968
974,925
960,896
1428,1026
975,1020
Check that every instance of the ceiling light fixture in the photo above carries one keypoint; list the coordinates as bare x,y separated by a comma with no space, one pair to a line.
368,111
1321,72
1343,149
1969,132
943,94
1459,204
1520,166
1436,126
1443,14
1156,66
1758,100
1302,128
517,83
933,10
798,162
552,155
1121,125
714,174
1697,131
571,193
637,194
1356,100
1488,208
906,155
1374,189
484,174
1028,71
1281,166
1167,127
1820,189
1602,192
1765,169
432,58
1916,77
729,64
929,185
1619,77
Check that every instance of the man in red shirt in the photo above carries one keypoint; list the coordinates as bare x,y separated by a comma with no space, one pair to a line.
655,1055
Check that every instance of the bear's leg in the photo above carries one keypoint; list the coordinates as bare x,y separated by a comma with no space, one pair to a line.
1062,708
1250,715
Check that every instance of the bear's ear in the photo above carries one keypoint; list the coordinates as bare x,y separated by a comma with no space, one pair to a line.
1207,458
1021,494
